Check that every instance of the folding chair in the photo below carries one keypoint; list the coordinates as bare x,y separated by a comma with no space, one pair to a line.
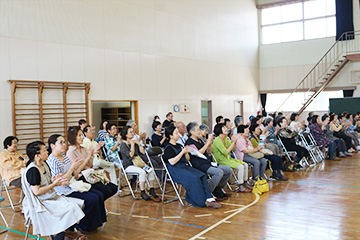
3,218
176,187
233,174
286,152
310,148
7,189
103,151
313,143
155,151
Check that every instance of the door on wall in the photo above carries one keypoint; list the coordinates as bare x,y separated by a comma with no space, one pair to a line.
239,108
206,114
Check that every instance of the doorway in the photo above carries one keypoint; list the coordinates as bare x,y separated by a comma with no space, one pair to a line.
206,114
239,108
118,112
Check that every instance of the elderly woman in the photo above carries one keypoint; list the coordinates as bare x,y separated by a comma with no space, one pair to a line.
41,204
11,161
77,151
222,148
141,137
194,181
130,149
340,144
288,138
276,161
219,174
60,164
204,132
338,132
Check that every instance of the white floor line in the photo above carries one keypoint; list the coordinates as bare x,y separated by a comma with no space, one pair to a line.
171,216
232,204
138,216
203,215
115,213
231,210
225,219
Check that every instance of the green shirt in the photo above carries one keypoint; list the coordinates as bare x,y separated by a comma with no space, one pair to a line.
219,150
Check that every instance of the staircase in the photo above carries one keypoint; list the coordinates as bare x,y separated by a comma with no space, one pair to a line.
327,68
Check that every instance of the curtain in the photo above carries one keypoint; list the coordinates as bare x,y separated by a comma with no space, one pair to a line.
344,17
348,93
263,103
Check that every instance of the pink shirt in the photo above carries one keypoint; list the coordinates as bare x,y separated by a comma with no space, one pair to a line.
241,145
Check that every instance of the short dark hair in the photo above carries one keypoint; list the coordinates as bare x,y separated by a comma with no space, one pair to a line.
218,119
124,131
109,125
8,141
241,128
155,124
86,128
226,120
102,125
191,126
293,116
169,130
253,127
168,114
324,117
72,133
341,116
218,129
82,121
332,117
279,121
267,121
52,140
32,149
313,119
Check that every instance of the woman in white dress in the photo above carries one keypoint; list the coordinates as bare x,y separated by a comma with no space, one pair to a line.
41,204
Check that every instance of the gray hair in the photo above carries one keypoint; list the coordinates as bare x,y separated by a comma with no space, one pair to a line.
237,120
191,127
130,122
204,127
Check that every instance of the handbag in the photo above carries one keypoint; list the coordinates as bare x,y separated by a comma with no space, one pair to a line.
267,151
256,155
94,176
138,162
261,186
79,186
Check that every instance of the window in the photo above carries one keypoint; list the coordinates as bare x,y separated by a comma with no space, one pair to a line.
298,21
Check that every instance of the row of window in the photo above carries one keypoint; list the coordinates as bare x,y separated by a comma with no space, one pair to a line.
298,21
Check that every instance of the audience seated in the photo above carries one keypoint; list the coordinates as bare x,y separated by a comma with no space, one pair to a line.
59,164
158,139
338,132
276,161
222,148
349,129
112,144
237,122
295,125
272,134
98,162
102,132
219,174
168,120
194,181
288,138
77,152
229,126
11,162
41,204
182,133
82,124
204,132
317,129
141,137
131,149
219,119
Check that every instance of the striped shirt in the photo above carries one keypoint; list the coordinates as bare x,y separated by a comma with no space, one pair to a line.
58,167
102,135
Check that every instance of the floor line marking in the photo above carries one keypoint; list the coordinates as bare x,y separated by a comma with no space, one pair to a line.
185,224
231,211
115,213
232,204
171,216
138,216
21,233
323,184
226,218
203,215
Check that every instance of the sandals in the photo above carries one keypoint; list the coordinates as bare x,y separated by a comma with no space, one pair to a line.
243,189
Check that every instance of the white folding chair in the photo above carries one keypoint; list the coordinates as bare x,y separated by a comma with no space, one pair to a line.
155,151
286,152
176,186
233,174
310,148
7,189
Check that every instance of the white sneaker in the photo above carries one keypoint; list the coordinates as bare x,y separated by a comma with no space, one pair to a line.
148,169
358,147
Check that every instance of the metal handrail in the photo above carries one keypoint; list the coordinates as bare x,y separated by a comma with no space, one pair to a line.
329,59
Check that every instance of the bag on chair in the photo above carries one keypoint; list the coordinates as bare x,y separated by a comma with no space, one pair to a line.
261,186
138,162
256,155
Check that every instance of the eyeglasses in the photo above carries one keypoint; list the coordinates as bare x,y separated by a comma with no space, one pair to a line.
62,142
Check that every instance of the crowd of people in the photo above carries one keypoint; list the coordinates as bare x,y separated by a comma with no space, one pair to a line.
69,179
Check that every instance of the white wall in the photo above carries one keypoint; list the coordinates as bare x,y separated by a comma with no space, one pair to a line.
159,52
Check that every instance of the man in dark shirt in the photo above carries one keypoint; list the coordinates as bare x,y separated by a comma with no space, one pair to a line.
168,120
201,160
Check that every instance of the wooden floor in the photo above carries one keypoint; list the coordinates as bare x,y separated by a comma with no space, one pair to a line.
320,202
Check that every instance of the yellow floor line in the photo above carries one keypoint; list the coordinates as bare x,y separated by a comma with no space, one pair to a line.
225,219
232,204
